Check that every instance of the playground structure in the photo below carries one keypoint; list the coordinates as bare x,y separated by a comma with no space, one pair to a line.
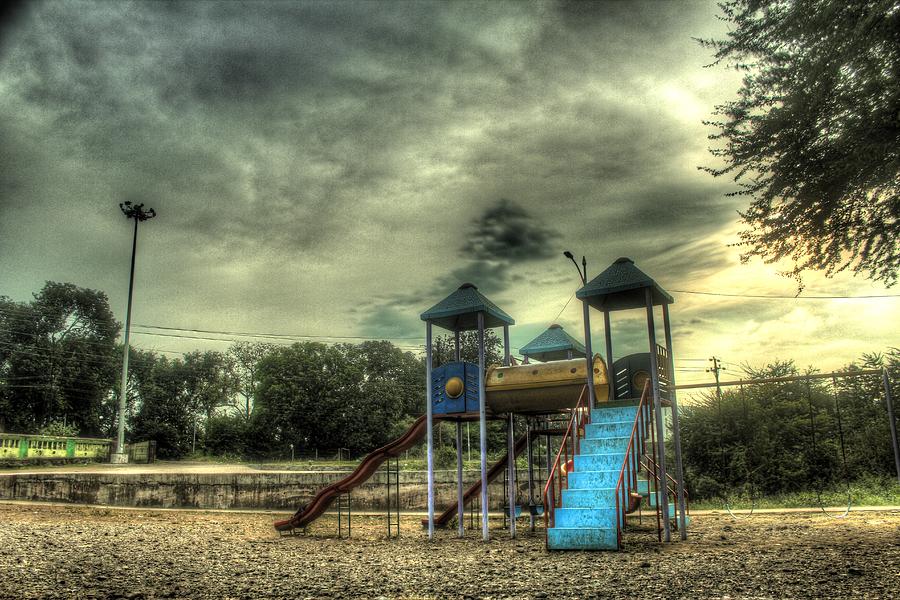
612,434
611,454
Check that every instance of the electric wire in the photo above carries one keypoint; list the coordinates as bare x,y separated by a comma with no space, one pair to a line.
779,297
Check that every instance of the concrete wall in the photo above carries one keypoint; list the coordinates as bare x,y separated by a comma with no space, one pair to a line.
270,490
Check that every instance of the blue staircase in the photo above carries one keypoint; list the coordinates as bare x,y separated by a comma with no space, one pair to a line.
586,518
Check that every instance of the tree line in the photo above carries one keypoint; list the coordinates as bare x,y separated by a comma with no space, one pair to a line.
773,438
60,366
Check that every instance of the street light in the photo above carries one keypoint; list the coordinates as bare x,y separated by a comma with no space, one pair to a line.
136,212
582,274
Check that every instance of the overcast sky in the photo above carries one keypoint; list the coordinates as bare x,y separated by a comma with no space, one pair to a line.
335,169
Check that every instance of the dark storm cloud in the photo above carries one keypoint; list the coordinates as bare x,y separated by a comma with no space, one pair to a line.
506,232
495,253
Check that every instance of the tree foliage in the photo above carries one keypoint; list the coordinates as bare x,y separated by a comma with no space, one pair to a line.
813,138
783,437
57,360
178,398
318,396
245,357
443,348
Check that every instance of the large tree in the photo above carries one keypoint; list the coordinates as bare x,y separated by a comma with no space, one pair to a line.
813,138
317,396
58,359
245,357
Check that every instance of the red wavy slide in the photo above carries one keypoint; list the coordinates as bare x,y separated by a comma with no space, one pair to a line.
475,489
313,509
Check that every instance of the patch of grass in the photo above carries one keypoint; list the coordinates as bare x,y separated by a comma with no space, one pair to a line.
864,492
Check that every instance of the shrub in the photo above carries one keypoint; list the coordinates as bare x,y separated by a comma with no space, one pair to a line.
226,436
59,429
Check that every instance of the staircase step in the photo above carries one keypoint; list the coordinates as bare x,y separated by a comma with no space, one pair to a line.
652,507
612,428
607,461
576,538
593,479
643,487
609,414
589,498
652,498
584,517
602,445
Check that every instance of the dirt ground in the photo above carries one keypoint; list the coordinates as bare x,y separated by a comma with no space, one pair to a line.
53,551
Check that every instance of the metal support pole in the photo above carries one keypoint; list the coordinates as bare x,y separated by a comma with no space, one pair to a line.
890,406
482,429
430,432
460,507
607,334
511,469
662,487
506,345
589,356
529,440
123,394
676,430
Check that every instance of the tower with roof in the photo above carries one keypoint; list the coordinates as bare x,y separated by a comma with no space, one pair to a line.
554,343
466,309
623,286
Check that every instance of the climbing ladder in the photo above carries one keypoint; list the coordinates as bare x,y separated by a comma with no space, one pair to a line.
601,474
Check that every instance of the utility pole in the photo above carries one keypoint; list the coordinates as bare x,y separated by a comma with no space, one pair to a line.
136,212
717,366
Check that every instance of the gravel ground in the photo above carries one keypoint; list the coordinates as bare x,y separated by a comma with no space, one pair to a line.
53,551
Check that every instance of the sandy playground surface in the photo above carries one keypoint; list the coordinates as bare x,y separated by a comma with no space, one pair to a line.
54,551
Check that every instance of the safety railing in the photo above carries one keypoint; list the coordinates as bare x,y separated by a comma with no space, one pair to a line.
672,486
631,464
558,479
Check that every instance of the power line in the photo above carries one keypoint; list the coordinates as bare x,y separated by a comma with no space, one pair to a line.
797,297
79,340
278,335
46,352
566,305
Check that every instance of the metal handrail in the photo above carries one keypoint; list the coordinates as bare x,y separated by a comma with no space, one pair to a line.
631,462
671,481
551,495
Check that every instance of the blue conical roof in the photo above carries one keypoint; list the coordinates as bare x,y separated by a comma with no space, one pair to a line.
622,286
553,344
459,311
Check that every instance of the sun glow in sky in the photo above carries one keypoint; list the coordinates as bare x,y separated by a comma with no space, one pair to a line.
336,168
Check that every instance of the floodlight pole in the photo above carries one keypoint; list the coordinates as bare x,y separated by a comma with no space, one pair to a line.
137,213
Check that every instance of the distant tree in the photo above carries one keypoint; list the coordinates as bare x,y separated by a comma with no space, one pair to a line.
226,435
208,381
245,357
814,136
162,414
782,437
57,359
317,396
443,348
177,399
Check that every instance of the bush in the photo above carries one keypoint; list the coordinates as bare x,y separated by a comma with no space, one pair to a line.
226,436
59,429
445,457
